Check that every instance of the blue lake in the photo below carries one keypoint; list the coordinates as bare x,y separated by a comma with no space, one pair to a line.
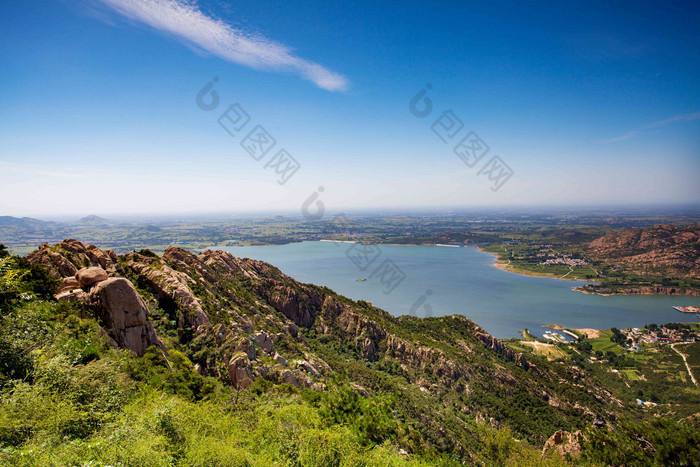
438,281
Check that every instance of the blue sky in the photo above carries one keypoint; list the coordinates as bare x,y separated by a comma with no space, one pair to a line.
587,103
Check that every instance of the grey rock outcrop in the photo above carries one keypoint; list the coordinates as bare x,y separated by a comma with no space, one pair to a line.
239,371
124,314
280,359
262,340
564,443
497,346
169,283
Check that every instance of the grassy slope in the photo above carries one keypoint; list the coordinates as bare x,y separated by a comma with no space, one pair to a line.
73,399
81,400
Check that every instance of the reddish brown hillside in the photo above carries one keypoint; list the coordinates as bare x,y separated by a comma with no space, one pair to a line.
665,250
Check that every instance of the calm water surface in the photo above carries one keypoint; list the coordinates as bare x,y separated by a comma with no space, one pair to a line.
444,281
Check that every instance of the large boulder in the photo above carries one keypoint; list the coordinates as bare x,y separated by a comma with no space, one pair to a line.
69,283
292,329
262,340
280,359
296,379
124,314
90,276
239,371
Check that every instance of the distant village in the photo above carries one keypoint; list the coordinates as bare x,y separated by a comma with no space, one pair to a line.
665,334
569,261
558,258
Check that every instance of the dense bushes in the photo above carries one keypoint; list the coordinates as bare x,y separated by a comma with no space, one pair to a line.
656,442
373,420
68,398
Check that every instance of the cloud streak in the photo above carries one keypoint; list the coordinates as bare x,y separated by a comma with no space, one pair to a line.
650,126
186,21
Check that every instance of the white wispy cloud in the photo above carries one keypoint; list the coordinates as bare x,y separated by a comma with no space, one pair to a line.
185,20
650,126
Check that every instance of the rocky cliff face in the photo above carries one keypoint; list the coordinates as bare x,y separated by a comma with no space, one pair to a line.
64,259
167,283
124,314
243,319
114,300
665,250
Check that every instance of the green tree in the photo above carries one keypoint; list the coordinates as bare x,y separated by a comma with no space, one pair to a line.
10,283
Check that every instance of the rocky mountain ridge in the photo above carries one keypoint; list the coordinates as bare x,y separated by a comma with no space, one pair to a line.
242,320
661,250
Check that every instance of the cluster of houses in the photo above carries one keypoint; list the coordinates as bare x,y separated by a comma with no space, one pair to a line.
659,335
553,257
569,261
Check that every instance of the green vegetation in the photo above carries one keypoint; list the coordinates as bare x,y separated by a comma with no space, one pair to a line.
647,443
68,398
525,255
566,228
391,391
654,374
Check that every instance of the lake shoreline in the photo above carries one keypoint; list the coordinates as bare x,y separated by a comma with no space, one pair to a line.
504,266
448,281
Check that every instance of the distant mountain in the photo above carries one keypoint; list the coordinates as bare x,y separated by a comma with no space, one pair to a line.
666,250
24,222
93,220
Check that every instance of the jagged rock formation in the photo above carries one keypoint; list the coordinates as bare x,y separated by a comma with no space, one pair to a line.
121,310
664,250
244,319
564,443
498,347
64,259
170,284
124,314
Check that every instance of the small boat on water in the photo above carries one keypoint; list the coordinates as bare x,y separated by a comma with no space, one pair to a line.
687,309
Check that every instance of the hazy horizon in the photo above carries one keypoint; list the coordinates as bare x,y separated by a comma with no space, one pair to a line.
647,210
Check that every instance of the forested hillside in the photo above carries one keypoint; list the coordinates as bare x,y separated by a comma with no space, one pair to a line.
209,359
